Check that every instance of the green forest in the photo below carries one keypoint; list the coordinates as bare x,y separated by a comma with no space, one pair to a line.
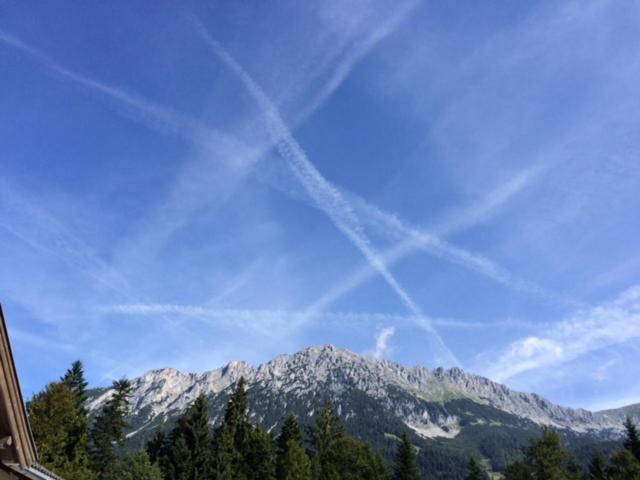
78,446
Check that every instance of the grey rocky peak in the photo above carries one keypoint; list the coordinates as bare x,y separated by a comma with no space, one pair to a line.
323,370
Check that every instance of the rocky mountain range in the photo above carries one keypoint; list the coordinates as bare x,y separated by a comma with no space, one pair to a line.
448,411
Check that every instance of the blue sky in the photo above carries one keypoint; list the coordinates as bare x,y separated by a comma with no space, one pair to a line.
437,183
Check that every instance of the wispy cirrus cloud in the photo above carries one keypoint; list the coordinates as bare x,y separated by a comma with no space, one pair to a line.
587,330
25,219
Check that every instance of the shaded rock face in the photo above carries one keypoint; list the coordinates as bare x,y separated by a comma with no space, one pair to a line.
414,396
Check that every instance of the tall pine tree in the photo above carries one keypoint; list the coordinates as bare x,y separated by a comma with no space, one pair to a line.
545,457
261,456
293,461
74,377
324,434
79,444
187,453
156,447
108,429
405,467
194,427
632,442
231,439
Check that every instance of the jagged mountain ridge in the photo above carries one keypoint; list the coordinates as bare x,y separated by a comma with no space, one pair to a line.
331,372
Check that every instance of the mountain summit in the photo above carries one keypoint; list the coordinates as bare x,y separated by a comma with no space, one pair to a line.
448,413
422,399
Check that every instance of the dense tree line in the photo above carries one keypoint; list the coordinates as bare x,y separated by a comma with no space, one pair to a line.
79,449
240,450
74,447
545,457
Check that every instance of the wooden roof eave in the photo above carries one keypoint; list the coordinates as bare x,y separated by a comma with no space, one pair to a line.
14,410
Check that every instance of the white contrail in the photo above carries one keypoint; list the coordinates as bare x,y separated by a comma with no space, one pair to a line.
353,55
158,116
411,239
326,196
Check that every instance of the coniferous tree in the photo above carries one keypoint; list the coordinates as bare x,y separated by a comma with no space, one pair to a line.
136,467
405,467
186,454
177,465
574,470
517,471
108,429
261,456
156,447
324,434
290,431
545,457
624,466
79,441
353,460
597,468
194,427
232,438
237,417
632,442
60,429
74,377
476,471
293,463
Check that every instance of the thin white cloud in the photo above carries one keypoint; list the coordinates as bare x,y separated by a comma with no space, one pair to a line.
292,319
40,342
328,198
382,342
585,331
26,220
601,373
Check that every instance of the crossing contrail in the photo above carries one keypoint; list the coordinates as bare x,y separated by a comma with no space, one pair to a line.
326,196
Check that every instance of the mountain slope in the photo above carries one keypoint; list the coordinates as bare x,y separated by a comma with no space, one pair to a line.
449,412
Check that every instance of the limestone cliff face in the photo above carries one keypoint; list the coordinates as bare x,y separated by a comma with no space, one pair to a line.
328,372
